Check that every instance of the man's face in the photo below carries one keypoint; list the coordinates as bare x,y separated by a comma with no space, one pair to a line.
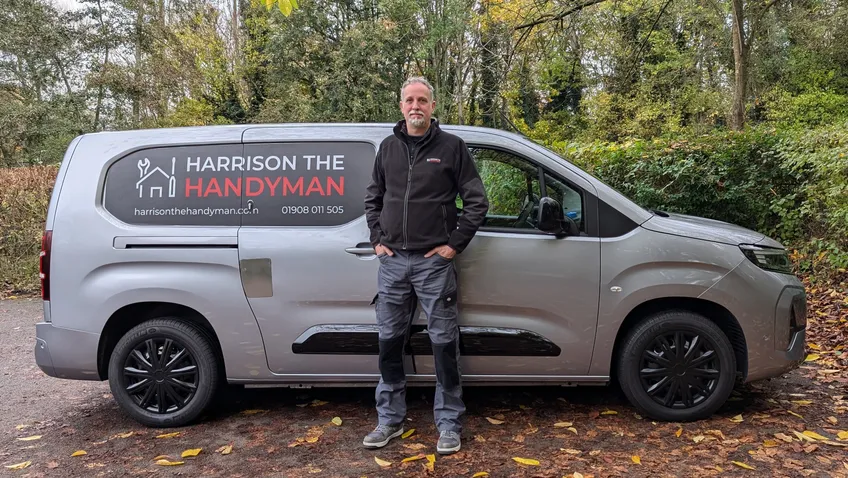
416,105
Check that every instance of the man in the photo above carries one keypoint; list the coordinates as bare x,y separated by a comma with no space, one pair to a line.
411,211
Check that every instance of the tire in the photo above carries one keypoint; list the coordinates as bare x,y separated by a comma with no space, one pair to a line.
648,367
171,398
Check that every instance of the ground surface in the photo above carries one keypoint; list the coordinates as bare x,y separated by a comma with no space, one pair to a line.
604,438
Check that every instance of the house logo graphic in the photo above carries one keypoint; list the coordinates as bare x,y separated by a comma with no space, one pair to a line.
156,179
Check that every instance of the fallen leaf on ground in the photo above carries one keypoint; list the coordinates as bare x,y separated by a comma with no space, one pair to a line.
493,421
419,456
770,443
793,413
802,437
408,433
842,435
19,466
30,438
318,403
415,446
524,407
169,435
812,358
123,435
431,461
79,453
636,459
815,435
576,475
563,424
595,452
572,430
571,451
737,419
253,411
161,457
526,461
169,462
337,421
480,474
52,465
225,450
832,420
743,465
191,452
698,438
382,462
678,432
609,412
311,439
802,403
784,437
21,427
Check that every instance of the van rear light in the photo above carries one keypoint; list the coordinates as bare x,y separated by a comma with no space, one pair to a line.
44,264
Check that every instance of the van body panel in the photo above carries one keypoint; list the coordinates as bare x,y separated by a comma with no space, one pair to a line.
75,352
645,265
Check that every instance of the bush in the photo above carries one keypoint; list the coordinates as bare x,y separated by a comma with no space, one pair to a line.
24,198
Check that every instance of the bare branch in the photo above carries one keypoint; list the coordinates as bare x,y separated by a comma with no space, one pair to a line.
559,16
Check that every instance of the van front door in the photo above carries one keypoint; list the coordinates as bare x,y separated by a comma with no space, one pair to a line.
528,301
307,267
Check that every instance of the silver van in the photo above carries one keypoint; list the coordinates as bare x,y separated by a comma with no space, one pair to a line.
177,260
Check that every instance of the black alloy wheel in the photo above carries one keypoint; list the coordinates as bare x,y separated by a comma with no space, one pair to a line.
680,369
161,375
676,366
164,372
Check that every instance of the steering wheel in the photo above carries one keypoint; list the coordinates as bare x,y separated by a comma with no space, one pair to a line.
528,211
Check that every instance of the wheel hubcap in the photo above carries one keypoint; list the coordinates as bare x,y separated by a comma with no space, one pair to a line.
160,374
679,369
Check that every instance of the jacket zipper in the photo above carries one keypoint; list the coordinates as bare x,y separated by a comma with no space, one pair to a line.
445,220
406,198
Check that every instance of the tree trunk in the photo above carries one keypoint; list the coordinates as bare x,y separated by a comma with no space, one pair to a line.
105,65
740,61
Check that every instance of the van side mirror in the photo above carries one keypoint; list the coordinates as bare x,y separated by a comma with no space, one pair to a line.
553,221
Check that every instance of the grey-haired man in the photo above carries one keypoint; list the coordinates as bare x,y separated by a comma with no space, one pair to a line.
411,211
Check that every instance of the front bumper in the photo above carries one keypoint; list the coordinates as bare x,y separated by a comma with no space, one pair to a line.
66,353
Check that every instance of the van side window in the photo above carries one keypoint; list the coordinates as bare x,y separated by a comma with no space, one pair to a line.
512,186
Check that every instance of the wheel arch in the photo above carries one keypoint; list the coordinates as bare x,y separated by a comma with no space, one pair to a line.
131,315
711,310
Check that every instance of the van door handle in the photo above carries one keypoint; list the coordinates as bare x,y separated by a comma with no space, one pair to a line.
361,250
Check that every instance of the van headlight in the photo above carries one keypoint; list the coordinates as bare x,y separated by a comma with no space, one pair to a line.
768,258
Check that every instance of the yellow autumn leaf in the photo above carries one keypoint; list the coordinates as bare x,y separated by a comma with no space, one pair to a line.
609,412
678,432
770,443
636,459
408,433
191,452
123,435
337,421
842,435
169,435
577,475
743,465
563,424
79,453
572,430
526,461
382,462
493,421
737,419
19,466
812,358
480,474
312,439
225,450
802,403
698,438
169,462
161,457
252,411
793,413
419,456
832,420
431,461
431,458
571,451
415,446
802,437
318,403
20,427
30,438
814,435
814,346
784,437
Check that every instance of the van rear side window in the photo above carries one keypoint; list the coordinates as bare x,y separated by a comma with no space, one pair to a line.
267,184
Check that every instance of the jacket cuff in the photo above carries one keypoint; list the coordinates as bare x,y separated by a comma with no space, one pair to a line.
456,243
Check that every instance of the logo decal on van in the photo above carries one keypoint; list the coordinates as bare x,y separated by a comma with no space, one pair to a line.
143,166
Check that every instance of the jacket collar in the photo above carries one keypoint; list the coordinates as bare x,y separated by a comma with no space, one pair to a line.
432,131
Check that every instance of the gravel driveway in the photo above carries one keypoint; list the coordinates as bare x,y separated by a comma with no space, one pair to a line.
591,432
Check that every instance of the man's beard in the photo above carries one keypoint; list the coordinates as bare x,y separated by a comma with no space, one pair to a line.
417,122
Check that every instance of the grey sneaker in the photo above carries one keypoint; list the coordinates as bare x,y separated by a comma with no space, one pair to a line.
381,435
449,442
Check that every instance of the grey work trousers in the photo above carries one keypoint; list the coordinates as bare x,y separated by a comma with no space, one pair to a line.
401,278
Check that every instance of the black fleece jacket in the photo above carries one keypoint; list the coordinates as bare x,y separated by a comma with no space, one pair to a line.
410,203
